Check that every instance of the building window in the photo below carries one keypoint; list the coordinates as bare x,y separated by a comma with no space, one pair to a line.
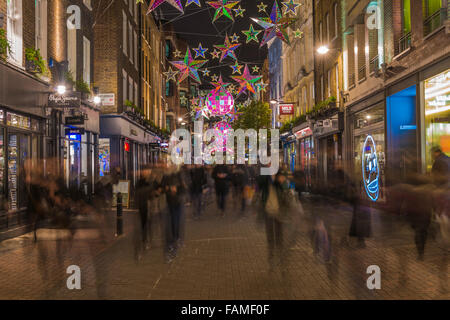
135,50
305,101
336,17
130,89
125,85
124,33
336,77
136,97
312,94
72,52
130,36
434,15
320,33
14,31
322,91
329,84
327,19
41,27
86,60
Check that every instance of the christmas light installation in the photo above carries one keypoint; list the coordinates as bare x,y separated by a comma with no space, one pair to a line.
227,49
188,67
239,12
200,51
219,84
246,81
291,6
171,74
370,169
219,103
189,2
275,26
237,68
223,8
252,34
156,3
221,131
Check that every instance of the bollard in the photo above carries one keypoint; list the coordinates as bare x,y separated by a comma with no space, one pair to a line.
119,230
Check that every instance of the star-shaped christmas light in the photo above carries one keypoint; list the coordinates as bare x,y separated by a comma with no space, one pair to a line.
188,67
275,25
239,12
156,3
298,33
227,49
189,2
237,68
171,74
183,100
214,78
255,69
177,53
200,51
235,38
246,81
262,7
218,85
206,72
261,86
252,34
194,101
215,54
223,8
290,6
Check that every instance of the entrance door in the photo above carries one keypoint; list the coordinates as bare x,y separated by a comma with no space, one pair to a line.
18,153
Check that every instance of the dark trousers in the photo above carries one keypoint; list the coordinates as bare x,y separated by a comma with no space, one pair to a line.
221,196
197,203
238,195
274,232
173,224
420,239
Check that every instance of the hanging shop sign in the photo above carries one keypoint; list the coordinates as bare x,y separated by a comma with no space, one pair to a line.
107,99
286,109
76,120
370,169
68,100
74,131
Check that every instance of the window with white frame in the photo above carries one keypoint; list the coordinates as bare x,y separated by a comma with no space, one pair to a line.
130,37
320,33
312,97
41,27
124,32
86,60
130,89
322,91
305,101
336,77
336,27
135,50
72,51
329,84
14,31
136,98
327,21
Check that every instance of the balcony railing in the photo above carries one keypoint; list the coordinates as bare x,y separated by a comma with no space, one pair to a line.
434,21
374,64
362,73
404,43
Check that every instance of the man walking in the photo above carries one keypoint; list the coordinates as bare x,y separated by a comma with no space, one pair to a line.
221,176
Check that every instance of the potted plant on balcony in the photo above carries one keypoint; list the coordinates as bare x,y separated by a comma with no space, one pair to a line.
5,47
34,63
83,87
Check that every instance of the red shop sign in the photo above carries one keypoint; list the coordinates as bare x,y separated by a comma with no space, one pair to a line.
286,109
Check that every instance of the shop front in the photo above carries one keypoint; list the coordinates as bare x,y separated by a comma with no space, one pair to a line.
125,145
289,151
22,129
328,135
305,142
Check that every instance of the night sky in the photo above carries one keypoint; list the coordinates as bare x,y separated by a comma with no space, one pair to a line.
196,26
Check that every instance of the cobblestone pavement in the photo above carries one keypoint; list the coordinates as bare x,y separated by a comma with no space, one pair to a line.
226,258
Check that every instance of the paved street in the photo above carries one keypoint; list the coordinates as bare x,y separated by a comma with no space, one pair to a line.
225,258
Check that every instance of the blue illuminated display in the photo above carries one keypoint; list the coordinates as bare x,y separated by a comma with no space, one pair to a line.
370,169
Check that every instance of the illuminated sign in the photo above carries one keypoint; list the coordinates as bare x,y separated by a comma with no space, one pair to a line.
286,109
127,147
303,133
437,94
370,169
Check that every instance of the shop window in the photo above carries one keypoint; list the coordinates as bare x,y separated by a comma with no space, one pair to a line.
104,155
14,31
437,115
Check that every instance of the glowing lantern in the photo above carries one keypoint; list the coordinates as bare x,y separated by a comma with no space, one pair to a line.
219,103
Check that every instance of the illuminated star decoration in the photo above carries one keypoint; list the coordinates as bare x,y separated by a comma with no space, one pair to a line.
246,81
223,8
206,72
239,12
298,33
139,1
235,38
189,2
214,78
200,51
255,69
262,7
275,25
227,49
183,100
177,53
188,67
171,74
237,68
215,54
194,101
261,86
156,3
290,6
219,85
252,34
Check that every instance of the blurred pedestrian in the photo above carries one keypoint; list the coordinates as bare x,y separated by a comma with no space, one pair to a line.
221,176
441,167
240,180
199,181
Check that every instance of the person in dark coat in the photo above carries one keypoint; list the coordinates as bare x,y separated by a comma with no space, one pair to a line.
441,167
361,225
174,189
240,180
198,178
221,176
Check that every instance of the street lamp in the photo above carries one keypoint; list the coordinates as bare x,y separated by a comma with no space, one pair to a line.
97,100
323,50
61,89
